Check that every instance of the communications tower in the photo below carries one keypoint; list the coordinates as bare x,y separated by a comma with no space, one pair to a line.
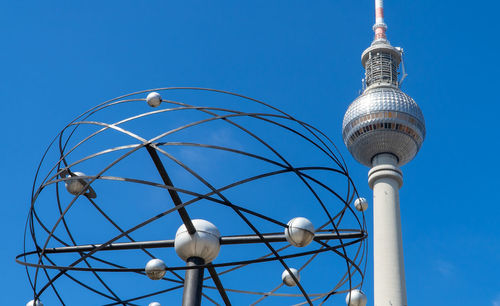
384,129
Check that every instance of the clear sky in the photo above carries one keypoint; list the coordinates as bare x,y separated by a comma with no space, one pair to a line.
61,58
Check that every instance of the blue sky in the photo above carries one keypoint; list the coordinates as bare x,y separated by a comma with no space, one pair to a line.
62,58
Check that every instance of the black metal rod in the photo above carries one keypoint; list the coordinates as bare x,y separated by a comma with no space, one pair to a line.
218,284
173,194
170,243
193,283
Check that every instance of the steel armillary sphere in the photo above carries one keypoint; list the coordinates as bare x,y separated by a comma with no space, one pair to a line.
139,196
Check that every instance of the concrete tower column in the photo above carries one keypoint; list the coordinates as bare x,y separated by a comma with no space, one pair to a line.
385,178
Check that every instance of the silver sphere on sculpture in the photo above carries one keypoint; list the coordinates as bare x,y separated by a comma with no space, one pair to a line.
204,243
287,278
300,232
383,120
76,185
153,99
361,204
155,269
356,298
154,304
33,303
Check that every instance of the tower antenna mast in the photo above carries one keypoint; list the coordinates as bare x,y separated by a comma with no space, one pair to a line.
379,27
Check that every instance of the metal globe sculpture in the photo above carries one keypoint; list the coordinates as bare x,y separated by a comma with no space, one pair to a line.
154,175
383,119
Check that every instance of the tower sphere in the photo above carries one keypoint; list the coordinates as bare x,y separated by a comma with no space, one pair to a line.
383,120
361,204
33,303
154,304
300,232
204,243
287,278
155,269
356,298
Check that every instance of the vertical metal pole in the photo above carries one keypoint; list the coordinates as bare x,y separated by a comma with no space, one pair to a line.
193,283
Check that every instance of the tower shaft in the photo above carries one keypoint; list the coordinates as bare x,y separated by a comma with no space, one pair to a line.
385,178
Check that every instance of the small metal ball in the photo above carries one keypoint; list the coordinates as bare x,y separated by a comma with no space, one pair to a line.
153,99
287,278
75,185
155,269
204,243
154,304
33,303
357,298
361,204
300,232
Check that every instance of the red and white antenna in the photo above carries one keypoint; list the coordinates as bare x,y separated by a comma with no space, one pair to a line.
379,27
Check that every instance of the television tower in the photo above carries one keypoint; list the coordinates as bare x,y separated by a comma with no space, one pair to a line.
384,129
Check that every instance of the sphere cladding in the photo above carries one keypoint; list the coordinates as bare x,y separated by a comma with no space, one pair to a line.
75,185
357,298
154,304
33,303
205,243
287,278
153,99
361,204
300,232
155,269
383,120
